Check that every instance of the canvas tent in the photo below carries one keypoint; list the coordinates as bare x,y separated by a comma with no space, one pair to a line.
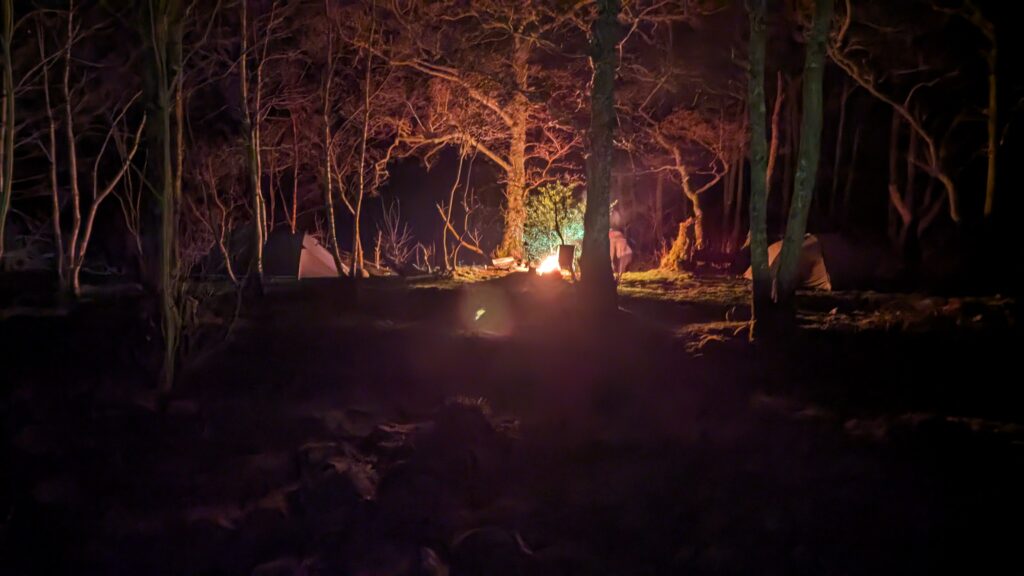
813,270
285,255
835,262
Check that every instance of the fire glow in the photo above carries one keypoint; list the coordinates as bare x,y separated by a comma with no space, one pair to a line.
549,264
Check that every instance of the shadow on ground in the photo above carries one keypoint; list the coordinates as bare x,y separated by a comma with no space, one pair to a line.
497,429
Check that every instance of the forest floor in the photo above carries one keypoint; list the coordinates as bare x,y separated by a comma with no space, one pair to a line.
492,427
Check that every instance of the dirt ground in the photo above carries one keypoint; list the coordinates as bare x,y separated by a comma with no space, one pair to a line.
493,428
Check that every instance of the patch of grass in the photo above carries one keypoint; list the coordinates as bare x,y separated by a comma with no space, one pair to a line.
683,287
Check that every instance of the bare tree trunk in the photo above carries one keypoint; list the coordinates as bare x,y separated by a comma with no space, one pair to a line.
72,143
449,260
893,186
58,236
164,31
99,195
728,203
773,149
250,123
357,240
659,209
329,148
7,120
759,175
809,155
910,192
271,175
993,129
792,128
515,190
293,220
737,218
595,265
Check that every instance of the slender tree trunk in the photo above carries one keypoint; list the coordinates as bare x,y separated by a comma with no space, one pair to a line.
164,30
8,121
250,123
69,131
99,195
58,236
809,154
993,129
328,150
737,218
293,221
271,175
792,120
894,177
659,209
597,280
909,193
773,149
449,261
762,290
728,203
357,214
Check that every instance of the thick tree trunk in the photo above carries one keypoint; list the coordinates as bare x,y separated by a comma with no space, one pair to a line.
515,188
515,196
597,281
810,152
7,120
761,295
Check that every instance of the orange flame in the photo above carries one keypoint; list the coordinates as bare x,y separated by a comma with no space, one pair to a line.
549,264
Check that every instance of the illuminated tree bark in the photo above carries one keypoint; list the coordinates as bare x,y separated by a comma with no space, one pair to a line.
762,290
328,146
595,264
162,25
251,128
58,237
788,275
515,191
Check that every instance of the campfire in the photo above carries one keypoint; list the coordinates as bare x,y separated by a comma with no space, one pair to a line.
549,264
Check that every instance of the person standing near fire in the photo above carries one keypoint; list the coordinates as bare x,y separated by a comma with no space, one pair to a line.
621,253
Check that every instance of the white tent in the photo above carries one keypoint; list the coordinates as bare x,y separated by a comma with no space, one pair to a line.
315,261
814,274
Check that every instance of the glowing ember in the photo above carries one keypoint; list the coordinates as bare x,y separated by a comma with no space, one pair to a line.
549,264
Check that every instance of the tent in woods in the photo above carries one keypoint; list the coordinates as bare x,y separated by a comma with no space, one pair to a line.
813,271
831,261
298,256
285,255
